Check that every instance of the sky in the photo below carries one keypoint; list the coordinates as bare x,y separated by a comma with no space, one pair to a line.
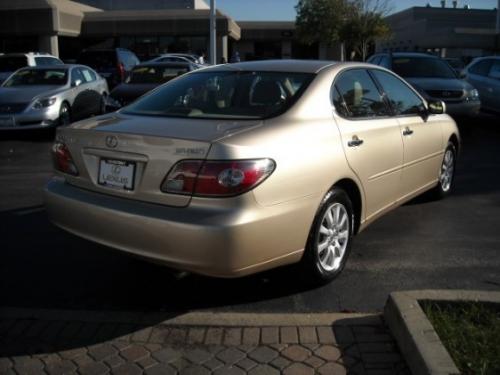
283,10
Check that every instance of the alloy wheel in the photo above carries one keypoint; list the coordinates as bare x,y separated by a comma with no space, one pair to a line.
333,237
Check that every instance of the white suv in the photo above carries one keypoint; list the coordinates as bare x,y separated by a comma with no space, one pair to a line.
11,62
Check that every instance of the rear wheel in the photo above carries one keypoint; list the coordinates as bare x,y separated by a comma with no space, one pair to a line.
330,238
64,115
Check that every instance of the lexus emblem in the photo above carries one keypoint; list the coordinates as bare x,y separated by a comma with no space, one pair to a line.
111,141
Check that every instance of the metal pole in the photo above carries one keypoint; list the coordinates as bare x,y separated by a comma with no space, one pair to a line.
213,33
498,17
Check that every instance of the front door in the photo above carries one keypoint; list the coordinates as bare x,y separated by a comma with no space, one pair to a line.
422,136
371,138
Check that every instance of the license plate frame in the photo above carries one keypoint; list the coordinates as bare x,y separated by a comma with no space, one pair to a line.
112,172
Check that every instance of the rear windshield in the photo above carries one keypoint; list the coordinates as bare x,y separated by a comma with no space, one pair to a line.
242,95
422,67
98,59
12,63
34,77
156,74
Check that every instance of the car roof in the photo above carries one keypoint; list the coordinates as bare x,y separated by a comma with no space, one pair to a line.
164,63
292,66
413,54
60,66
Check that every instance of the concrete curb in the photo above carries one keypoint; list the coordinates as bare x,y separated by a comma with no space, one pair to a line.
190,319
415,335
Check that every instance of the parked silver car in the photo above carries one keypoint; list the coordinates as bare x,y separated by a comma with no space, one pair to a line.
484,75
434,79
41,97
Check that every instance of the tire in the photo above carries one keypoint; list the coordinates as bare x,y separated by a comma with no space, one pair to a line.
333,227
64,115
446,173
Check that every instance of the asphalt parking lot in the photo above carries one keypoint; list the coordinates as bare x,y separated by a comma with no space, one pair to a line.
450,244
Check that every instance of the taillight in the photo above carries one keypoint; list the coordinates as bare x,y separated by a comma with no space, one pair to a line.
217,178
121,72
62,159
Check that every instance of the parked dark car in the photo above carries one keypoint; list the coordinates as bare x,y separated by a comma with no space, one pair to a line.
143,78
484,74
114,64
434,79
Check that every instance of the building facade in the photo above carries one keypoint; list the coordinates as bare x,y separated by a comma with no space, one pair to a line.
447,32
148,27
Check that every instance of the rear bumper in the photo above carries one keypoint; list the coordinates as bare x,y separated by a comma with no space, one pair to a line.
225,242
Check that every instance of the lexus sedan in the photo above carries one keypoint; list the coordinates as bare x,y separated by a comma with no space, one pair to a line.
143,78
434,79
43,97
235,169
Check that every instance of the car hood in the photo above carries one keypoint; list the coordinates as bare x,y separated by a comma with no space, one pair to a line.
205,130
128,92
439,84
27,94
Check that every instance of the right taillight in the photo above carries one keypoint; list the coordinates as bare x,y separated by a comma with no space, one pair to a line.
63,161
217,178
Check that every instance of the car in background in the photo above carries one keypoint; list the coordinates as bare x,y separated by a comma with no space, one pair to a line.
484,74
434,79
44,97
457,64
143,78
114,64
11,62
235,169
178,57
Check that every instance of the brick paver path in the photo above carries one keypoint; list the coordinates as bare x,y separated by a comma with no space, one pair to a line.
52,346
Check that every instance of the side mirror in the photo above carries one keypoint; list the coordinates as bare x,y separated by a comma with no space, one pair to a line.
437,107
77,83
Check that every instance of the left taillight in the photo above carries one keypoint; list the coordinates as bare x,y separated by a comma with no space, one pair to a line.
210,178
63,161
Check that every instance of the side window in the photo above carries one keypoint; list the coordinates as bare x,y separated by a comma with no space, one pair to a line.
43,61
385,61
360,95
495,70
481,68
88,75
374,59
403,100
76,75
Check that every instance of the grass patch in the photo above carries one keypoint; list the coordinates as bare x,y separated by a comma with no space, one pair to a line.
470,331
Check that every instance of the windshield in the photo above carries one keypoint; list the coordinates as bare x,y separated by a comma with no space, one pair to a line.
156,74
12,63
244,95
422,67
33,77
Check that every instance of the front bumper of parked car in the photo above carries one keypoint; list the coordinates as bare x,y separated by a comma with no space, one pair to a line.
232,240
30,119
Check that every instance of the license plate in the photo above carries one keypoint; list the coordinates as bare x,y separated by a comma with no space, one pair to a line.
117,174
6,122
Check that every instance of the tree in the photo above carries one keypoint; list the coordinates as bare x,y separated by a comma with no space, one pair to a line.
366,24
356,22
321,21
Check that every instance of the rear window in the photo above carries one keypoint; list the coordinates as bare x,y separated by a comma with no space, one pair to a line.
35,77
156,74
12,63
231,95
422,67
98,59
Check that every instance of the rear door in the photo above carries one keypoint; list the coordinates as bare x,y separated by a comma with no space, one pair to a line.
422,139
371,138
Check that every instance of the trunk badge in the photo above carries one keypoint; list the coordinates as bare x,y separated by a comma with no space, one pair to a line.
111,141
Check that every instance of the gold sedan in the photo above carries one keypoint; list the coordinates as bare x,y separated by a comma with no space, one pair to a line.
240,168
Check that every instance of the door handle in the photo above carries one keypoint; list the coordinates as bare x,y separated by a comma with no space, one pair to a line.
355,141
407,131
